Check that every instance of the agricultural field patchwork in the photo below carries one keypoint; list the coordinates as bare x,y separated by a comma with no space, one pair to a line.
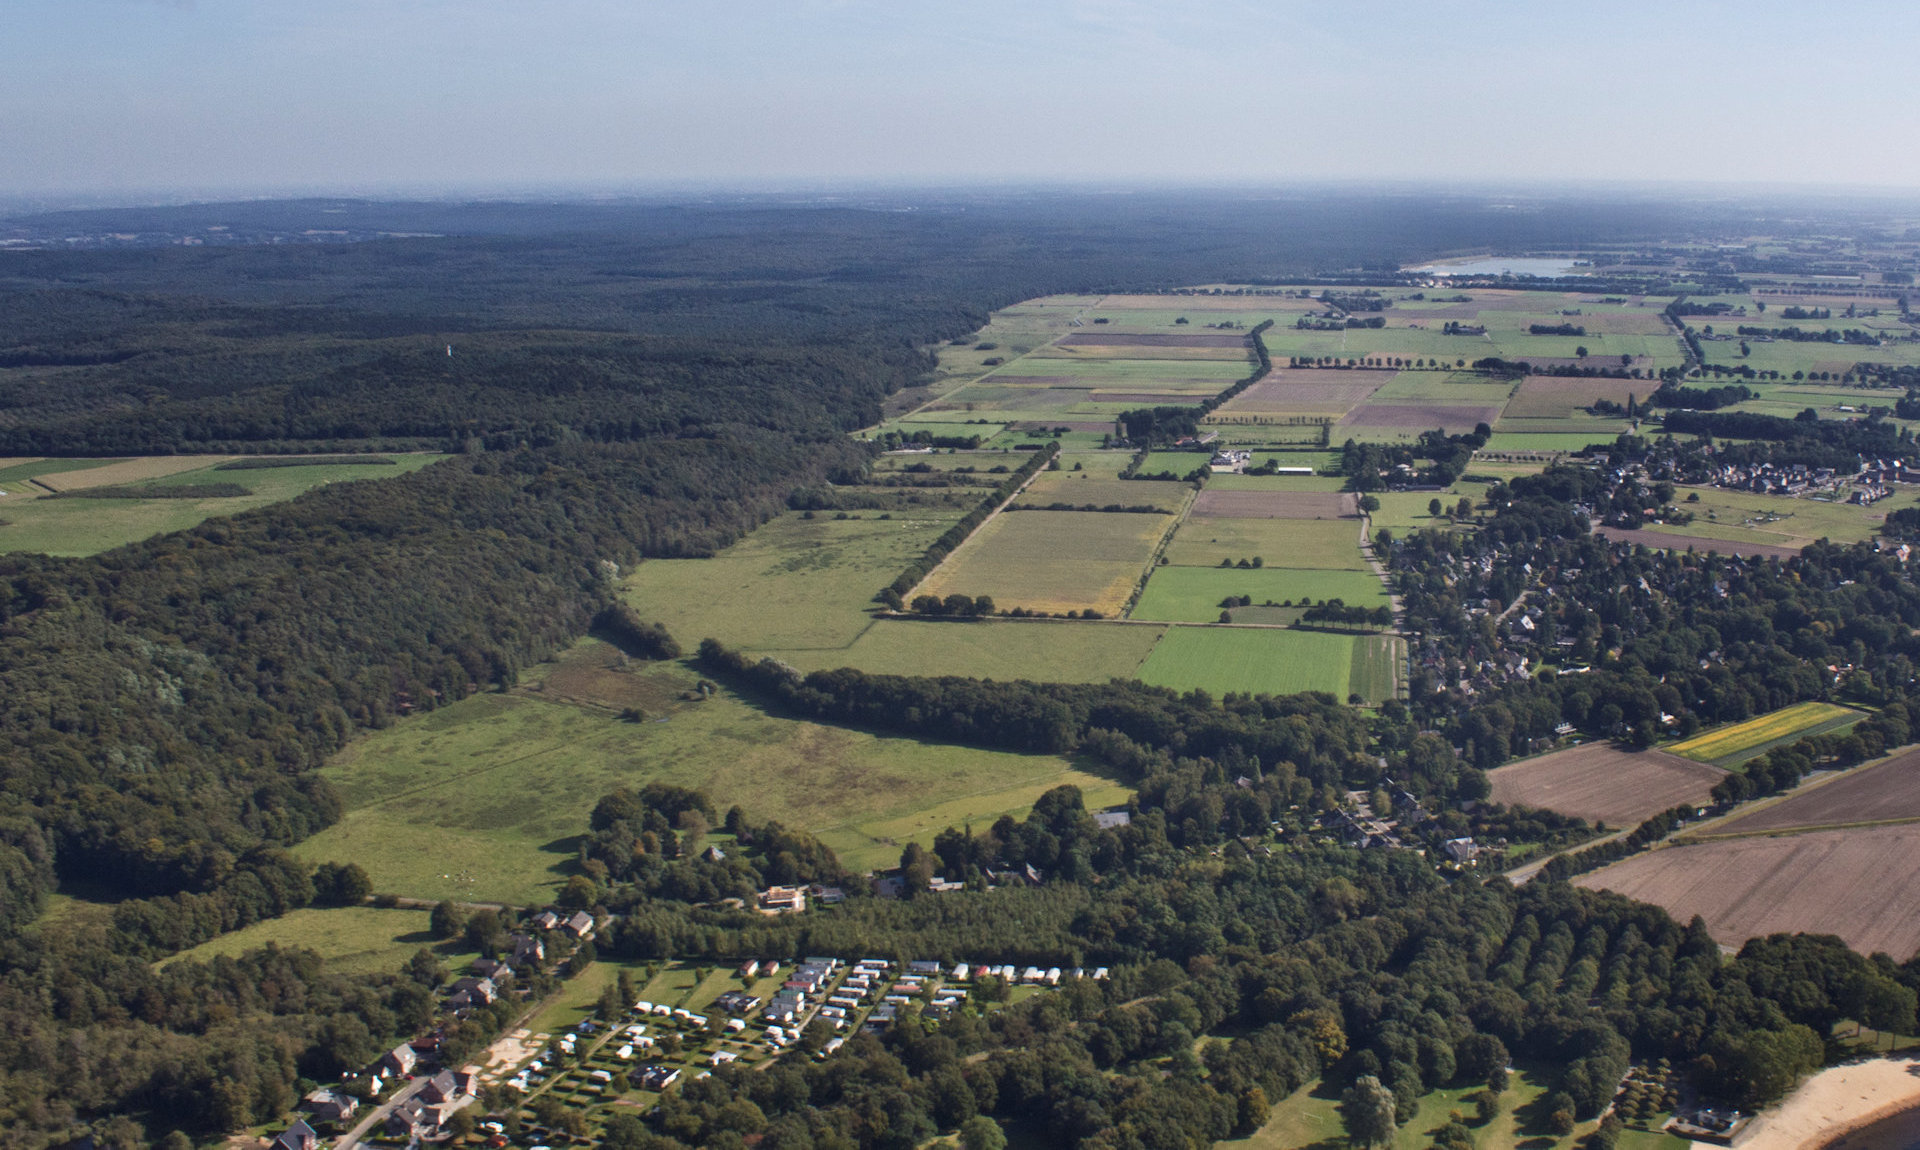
1600,782
1730,746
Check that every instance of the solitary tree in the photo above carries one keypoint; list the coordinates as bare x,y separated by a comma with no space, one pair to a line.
1368,1111
1433,508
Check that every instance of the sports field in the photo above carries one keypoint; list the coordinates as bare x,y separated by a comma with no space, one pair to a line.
1052,561
1194,594
84,526
1600,782
1730,746
1253,660
484,799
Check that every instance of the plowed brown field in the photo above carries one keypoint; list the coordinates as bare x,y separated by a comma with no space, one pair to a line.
1602,783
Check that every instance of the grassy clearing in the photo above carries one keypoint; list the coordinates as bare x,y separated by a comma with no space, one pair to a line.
1327,544
1310,1118
1274,662
90,526
1232,482
484,799
353,939
1054,561
794,583
1545,442
1779,519
1194,594
1051,652
1731,746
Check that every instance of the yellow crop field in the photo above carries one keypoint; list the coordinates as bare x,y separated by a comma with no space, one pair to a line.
1743,741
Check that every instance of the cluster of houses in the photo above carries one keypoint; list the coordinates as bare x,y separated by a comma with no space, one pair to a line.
492,977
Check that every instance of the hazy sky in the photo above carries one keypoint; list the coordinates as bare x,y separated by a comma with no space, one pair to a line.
104,95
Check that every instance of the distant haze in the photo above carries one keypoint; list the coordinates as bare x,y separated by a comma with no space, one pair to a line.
105,96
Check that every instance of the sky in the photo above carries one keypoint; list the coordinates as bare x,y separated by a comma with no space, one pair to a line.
106,97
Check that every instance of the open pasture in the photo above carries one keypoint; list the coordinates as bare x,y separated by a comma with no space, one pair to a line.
1409,419
1853,883
1194,594
1252,659
1563,397
484,799
1277,504
1673,540
1781,519
1043,652
1730,746
81,526
1325,544
1305,391
1053,561
1600,782
1545,443
1465,389
1279,484
1887,792
1078,488
1097,337
793,583
352,939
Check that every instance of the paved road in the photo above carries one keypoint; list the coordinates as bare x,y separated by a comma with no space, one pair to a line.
379,1115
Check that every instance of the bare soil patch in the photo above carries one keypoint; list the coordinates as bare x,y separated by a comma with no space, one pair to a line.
129,471
1853,883
1603,783
1455,418
1698,543
1884,792
1277,504
1125,339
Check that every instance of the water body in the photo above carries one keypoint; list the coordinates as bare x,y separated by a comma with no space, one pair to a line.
1898,1132
1545,268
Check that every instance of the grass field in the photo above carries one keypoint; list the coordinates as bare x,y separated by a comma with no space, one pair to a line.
1256,661
1193,594
484,799
1328,544
1042,652
1078,488
1376,667
1054,561
79,526
1532,441
353,939
1778,519
794,583
1730,746
1310,1120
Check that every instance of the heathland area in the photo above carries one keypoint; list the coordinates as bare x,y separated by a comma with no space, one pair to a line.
379,577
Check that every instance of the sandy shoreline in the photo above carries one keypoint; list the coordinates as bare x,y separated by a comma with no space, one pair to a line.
1872,1105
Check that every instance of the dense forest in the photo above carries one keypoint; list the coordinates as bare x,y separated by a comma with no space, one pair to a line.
624,382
